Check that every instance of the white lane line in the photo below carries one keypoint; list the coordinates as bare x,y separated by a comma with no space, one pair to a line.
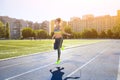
118,76
32,70
46,52
85,63
26,62
38,53
20,63
11,65
29,71
34,54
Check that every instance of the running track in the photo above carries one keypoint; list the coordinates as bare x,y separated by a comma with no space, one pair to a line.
98,61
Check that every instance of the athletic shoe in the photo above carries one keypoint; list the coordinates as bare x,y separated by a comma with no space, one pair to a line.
62,48
58,62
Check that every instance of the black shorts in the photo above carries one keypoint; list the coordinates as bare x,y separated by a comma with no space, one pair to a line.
58,43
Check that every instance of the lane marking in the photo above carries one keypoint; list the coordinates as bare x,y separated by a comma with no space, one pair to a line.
85,63
22,56
20,63
32,70
118,76
37,59
29,71
76,46
28,61
46,52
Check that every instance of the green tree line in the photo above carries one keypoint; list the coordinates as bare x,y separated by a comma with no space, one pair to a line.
4,30
113,33
36,34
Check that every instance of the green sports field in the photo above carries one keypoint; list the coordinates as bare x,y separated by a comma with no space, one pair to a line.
13,48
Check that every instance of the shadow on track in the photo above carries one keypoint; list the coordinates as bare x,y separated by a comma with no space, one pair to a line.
58,74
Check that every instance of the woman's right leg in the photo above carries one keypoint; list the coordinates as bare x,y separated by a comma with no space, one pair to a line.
59,53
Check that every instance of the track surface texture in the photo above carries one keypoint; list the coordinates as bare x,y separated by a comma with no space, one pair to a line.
98,61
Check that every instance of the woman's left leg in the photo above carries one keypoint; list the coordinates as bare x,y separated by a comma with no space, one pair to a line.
60,45
59,50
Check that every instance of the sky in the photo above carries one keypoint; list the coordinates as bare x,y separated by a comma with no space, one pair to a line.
40,10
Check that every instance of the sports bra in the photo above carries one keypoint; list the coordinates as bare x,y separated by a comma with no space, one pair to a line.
57,30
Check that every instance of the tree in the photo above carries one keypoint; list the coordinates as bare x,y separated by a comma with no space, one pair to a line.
86,34
27,32
76,35
67,29
102,34
34,33
2,30
94,33
7,31
52,33
89,33
109,34
42,34
116,31
79,34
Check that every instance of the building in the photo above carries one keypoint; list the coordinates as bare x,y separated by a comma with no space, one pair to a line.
15,30
16,26
45,26
75,24
99,23
51,25
88,17
118,16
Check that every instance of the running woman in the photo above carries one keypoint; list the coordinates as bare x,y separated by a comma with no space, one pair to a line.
58,36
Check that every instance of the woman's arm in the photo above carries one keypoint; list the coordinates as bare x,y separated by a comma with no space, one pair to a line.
65,32
53,36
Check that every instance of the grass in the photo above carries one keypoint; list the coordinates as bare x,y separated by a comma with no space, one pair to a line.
13,48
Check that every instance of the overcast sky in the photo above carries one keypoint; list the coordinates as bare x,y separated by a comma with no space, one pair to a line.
40,10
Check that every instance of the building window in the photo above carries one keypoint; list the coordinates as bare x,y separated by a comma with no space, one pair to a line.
15,31
15,26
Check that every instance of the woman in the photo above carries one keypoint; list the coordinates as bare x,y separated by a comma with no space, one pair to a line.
58,31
